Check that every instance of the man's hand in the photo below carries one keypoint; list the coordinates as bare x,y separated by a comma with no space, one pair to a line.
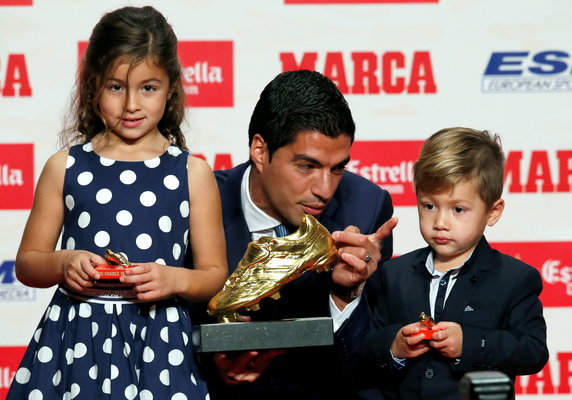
245,367
449,340
358,255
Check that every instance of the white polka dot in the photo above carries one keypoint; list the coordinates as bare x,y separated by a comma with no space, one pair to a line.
179,396
103,196
69,356
70,161
164,377
106,162
94,329
84,310
148,198
137,372
126,349
85,178
55,313
148,354
23,375
108,307
185,338
171,182
70,244
144,241
35,395
70,202
113,330
106,387
131,392
174,151
193,379
127,177
101,239
84,219
107,346
176,357
79,350
146,395
143,332
88,147
132,328
124,217
119,307
186,236
114,372
176,251
57,378
172,314
93,371
71,314
37,334
75,389
164,334
161,261
153,311
184,209
165,224
153,163
45,354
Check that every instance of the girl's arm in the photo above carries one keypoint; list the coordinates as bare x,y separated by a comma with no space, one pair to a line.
37,264
206,235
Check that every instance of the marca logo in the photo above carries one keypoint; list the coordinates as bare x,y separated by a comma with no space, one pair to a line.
393,72
10,288
356,1
554,262
524,71
9,362
16,176
208,73
15,72
388,164
16,2
539,171
543,382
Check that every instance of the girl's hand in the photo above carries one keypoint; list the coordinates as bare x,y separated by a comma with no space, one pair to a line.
78,269
151,281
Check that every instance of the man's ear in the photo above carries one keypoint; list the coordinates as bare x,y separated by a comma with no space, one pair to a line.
495,212
258,152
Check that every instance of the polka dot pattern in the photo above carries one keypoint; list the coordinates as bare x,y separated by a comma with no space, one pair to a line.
102,346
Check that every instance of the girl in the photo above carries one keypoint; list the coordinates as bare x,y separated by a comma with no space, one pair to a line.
130,186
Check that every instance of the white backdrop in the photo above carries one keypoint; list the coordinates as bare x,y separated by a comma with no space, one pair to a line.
523,95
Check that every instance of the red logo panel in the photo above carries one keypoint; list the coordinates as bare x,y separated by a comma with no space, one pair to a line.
554,262
9,362
16,2
388,164
208,73
16,176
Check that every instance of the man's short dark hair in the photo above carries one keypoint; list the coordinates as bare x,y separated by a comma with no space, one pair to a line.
297,101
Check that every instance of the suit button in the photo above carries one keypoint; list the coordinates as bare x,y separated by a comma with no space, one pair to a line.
429,373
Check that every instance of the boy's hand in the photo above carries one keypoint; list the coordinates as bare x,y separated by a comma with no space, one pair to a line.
448,340
407,346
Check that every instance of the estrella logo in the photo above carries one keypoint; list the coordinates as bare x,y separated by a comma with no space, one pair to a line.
526,71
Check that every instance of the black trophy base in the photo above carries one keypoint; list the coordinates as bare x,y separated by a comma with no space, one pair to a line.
260,335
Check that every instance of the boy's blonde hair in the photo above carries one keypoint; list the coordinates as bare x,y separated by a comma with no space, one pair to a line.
453,155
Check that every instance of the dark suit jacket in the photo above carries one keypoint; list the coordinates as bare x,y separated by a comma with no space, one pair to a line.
316,373
495,300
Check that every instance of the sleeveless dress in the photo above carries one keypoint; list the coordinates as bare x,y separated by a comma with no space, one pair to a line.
103,343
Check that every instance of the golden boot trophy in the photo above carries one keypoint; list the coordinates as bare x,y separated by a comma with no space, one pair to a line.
271,262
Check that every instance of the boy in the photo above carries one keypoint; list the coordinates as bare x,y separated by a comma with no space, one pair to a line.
485,303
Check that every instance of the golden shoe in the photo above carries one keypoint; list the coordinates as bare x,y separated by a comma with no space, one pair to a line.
269,263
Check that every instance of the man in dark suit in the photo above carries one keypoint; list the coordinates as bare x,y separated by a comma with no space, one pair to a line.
300,136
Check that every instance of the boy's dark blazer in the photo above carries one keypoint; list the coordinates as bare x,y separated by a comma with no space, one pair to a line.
495,300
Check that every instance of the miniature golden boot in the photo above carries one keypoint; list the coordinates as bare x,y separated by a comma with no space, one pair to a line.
269,263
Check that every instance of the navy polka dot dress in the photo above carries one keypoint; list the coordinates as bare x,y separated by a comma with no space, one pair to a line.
103,343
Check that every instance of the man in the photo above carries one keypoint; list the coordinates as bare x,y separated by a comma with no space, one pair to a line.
300,136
